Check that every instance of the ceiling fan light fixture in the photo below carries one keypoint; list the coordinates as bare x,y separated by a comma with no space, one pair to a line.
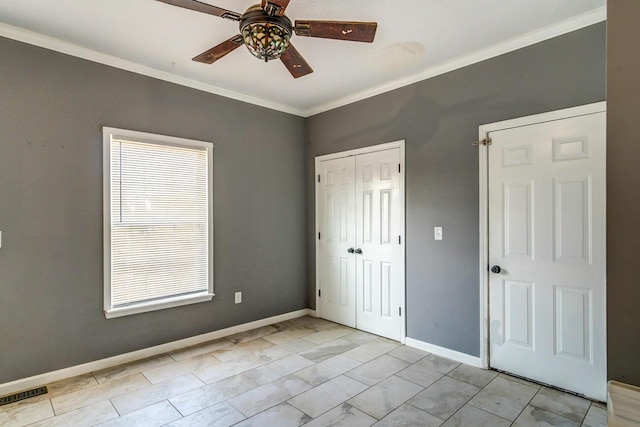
265,30
266,41
265,36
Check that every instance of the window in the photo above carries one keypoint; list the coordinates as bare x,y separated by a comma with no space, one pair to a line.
158,222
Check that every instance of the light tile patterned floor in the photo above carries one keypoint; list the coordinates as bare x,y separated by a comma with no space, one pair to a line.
304,371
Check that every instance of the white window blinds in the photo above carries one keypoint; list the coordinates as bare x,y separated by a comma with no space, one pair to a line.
159,221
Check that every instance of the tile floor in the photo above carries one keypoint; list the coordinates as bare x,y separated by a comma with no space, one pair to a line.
304,371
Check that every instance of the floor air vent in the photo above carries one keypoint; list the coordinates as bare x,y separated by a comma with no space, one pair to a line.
5,400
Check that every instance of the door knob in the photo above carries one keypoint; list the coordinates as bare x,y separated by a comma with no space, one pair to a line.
351,250
496,269
359,251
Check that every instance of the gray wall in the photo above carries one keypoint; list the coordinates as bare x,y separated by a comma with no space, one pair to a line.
623,198
439,119
51,112
52,108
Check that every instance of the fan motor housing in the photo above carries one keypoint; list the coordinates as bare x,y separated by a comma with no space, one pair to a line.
256,14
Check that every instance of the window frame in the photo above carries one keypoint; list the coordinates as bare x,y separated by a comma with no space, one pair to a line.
110,134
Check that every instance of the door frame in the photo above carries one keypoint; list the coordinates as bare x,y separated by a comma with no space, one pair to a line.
483,168
350,153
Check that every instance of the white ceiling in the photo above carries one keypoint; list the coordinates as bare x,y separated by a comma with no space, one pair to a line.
416,39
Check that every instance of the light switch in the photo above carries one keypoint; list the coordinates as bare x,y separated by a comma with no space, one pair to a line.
238,297
437,233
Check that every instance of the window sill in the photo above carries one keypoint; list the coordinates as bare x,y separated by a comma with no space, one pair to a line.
157,305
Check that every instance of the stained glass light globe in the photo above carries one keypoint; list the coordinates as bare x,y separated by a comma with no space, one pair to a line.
266,36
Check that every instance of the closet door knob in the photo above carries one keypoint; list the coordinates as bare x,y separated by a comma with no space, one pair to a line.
351,250
496,269
359,251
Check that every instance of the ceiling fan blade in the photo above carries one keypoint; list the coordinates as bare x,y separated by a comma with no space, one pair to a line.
275,7
295,63
217,52
338,30
204,8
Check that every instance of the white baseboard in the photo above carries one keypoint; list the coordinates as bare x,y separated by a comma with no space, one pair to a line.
85,368
623,404
444,352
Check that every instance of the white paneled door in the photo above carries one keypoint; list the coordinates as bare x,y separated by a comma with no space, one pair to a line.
547,252
337,235
360,248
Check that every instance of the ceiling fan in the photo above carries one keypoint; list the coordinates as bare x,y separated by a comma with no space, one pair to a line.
265,30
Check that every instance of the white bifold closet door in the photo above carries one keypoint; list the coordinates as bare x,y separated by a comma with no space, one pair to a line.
360,263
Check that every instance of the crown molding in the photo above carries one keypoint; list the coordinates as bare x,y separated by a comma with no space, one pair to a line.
72,49
567,26
564,27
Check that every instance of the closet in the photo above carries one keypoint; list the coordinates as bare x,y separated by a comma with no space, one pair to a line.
360,239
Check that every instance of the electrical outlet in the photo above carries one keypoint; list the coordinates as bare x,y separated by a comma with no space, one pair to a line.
238,297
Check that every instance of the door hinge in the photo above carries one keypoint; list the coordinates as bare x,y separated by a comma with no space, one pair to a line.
319,293
398,167
400,311
318,235
318,178
399,240
486,141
